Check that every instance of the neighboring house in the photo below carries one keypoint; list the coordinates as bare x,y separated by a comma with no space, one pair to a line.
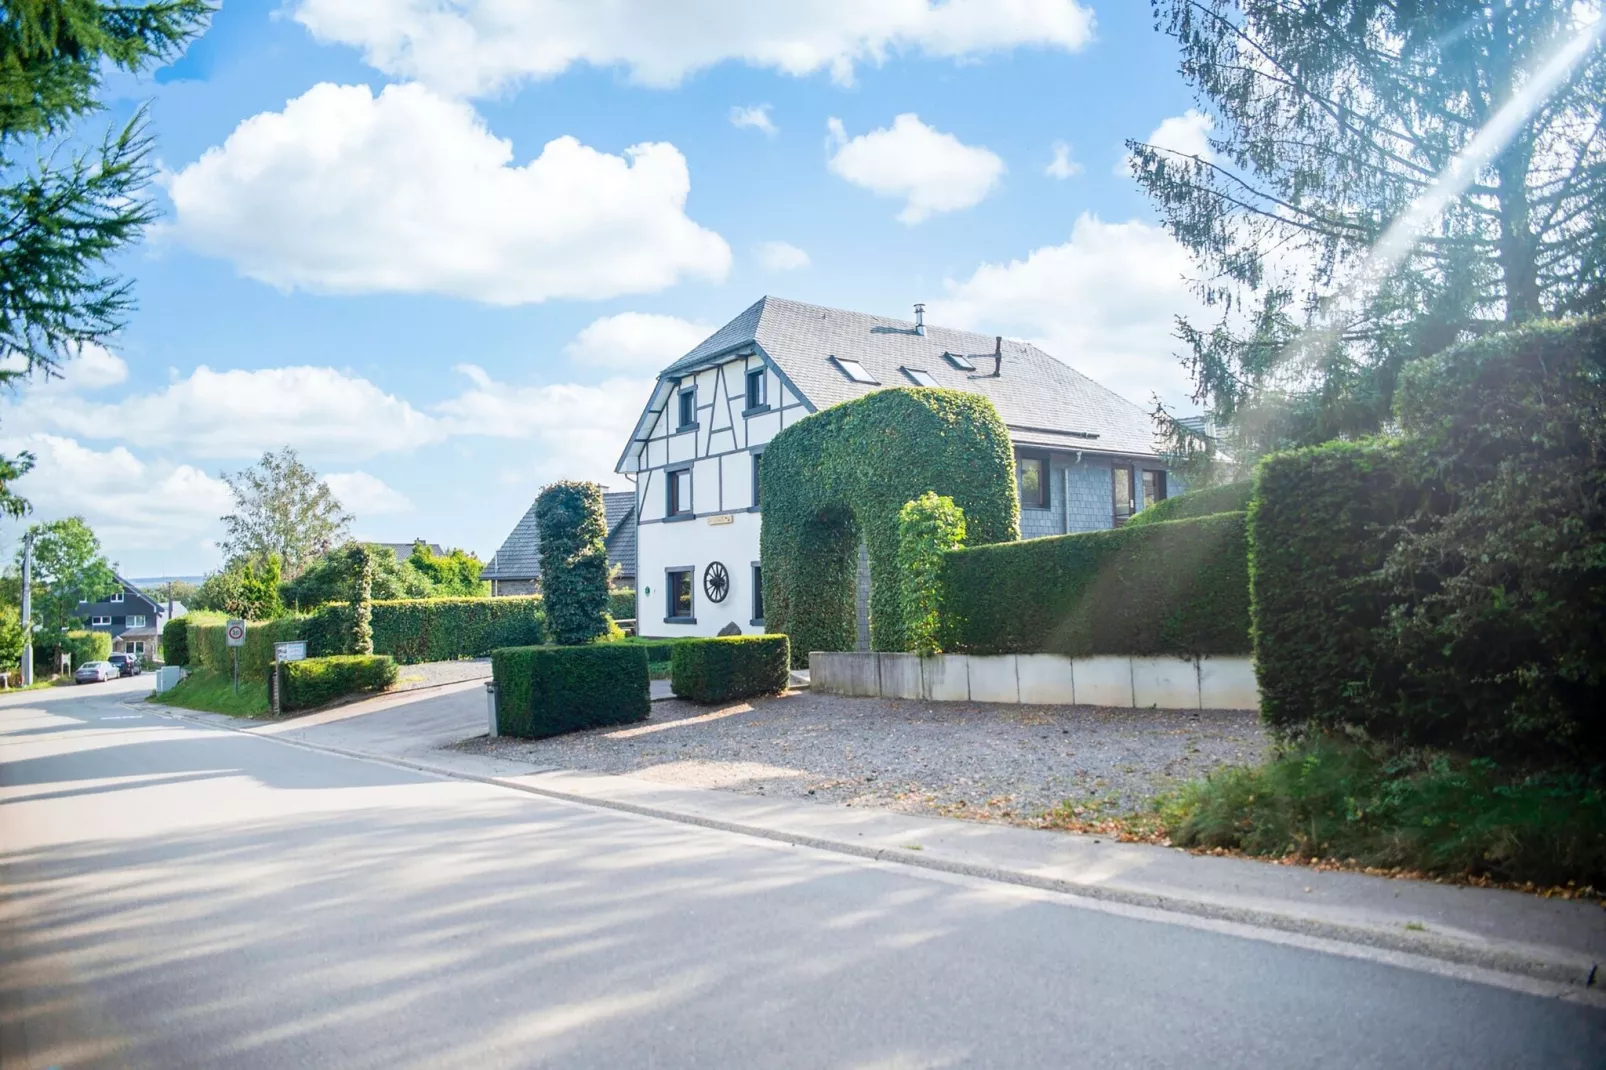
404,550
516,567
131,617
1085,458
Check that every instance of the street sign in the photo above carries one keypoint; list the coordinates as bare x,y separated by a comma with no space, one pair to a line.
236,632
292,651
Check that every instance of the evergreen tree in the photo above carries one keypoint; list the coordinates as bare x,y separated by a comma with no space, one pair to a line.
573,531
363,630
1328,120
64,210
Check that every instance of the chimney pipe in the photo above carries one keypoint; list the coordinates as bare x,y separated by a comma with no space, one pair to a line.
998,355
920,318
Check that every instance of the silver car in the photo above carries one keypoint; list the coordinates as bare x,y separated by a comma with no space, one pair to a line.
95,672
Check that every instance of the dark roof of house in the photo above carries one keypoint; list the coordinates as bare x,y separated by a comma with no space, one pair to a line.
404,550
520,555
1042,400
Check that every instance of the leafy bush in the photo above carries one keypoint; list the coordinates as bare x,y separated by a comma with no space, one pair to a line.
176,642
622,603
455,574
1335,798
841,476
928,527
544,691
319,681
730,667
209,645
573,531
431,629
334,576
1229,498
1179,588
87,646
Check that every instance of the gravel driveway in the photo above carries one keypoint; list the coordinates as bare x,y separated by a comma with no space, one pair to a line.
435,673
981,760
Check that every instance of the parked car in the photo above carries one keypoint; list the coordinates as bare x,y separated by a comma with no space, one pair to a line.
127,664
95,672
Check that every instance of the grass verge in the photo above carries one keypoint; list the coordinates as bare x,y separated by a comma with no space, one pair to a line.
213,692
1343,803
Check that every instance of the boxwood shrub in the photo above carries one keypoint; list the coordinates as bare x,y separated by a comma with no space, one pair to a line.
1230,498
320,681
544,691
1179,588
840,476
431,629
730,667
176,642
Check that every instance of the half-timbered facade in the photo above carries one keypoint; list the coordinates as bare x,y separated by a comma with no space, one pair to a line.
1085,457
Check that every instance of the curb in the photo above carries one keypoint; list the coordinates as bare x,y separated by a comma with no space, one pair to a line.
1575,976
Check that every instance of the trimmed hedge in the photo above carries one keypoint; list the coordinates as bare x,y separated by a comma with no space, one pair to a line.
928,527
176,642
622,603
841,476
431,629
320,681
87,646
209,645
573,531
545,691
1229,498
730,667
1178,588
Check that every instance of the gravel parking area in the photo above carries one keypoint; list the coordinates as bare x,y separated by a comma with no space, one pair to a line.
980,760
435,673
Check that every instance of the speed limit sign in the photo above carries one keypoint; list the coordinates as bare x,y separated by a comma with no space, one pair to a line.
236,632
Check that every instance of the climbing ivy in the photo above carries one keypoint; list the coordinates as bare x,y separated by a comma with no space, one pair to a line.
928,527
842,475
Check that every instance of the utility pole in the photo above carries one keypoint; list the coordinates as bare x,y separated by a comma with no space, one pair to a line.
27,609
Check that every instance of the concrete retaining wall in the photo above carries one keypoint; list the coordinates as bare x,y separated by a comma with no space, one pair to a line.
1043,679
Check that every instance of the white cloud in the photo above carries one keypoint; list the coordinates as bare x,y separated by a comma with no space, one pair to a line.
345,192
1104,302
757,117
364,495
131,504
477,47
94,367
240,413
781,256
1062,165
1187,134
630,341
933,171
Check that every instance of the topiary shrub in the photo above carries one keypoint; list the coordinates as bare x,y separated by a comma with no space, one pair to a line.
320,681
928,527
573,531
176,642
87,646
842,475
1178,589
730,668
545,691
1230,498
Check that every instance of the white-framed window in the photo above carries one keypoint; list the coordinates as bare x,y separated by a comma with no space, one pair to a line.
136,622
921,377
118,597
137,648
855,371
103,622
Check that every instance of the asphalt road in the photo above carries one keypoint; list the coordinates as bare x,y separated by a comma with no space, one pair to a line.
177,896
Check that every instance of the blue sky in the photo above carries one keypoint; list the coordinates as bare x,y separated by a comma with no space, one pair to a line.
370,251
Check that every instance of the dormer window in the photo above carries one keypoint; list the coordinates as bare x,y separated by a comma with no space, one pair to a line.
855,371
687,401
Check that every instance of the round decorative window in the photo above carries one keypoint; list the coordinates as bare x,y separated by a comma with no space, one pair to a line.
716,582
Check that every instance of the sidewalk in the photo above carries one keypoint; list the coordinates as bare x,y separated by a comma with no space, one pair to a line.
1551,940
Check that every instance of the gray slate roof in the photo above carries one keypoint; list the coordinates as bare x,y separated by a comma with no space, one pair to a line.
404,550
520,555
1042,400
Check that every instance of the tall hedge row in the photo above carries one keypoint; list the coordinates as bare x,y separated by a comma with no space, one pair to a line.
543,691
209,645
432,629
1230,498
1449,588
842,475
1178,588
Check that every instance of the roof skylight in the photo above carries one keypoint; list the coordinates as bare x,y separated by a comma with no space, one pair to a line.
923,378
855,371
962,363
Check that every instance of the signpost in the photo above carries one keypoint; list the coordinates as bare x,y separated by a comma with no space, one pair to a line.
235,633
295,650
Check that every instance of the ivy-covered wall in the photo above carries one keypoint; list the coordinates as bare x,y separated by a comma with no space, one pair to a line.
843,474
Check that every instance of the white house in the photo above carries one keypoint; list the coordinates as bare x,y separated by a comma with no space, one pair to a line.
1085,458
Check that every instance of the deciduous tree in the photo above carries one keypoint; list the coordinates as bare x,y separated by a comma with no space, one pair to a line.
281,507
